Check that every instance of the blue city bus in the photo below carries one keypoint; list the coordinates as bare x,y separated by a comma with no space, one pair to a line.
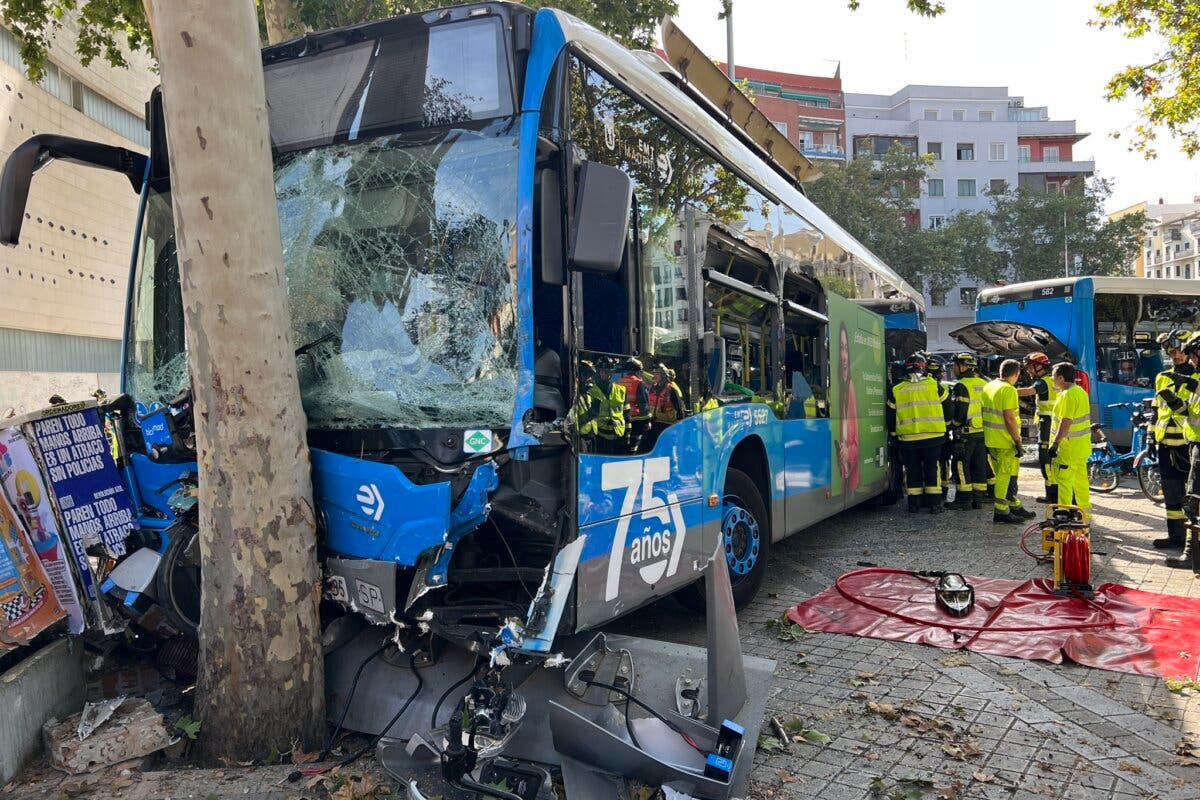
1105,326
486,212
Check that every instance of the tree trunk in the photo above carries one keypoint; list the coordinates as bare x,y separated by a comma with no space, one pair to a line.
261,682
283,20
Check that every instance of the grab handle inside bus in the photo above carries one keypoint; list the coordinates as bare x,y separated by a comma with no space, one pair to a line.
38,151
603,204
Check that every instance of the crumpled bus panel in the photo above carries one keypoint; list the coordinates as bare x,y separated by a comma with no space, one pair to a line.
372,510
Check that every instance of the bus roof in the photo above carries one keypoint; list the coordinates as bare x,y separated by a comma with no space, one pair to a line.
1101,284
656,91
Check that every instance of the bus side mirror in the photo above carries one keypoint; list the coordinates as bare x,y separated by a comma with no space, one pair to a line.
603,203
38,151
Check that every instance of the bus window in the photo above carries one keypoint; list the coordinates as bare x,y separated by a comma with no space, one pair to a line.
1127,326
803,338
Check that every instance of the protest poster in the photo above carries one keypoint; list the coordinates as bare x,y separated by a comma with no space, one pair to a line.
78,464
21,481
28,604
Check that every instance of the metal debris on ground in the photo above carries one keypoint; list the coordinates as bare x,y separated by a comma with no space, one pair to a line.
135,729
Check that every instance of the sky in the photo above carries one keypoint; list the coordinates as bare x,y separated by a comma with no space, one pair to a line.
1043,50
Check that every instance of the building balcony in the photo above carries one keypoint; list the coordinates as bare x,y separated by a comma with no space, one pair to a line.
1055,167
834,151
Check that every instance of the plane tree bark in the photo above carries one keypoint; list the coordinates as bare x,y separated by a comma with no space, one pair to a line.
261,682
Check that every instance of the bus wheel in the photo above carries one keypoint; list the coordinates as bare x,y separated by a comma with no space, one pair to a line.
745,536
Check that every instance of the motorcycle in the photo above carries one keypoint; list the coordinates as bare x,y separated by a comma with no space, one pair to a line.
1107,465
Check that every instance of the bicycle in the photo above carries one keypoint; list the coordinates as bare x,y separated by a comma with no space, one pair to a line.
1107,465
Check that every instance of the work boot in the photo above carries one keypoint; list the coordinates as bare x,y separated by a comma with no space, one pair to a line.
977,498
1006,519
913,506
1167,544
1020,512
1190,557
937,508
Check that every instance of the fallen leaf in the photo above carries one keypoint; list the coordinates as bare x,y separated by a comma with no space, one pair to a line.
863,679
770,744
1007,671
951,792
886,710
877,787
813,736
1045,766
871,755
858,695
984,777
787,777
955,660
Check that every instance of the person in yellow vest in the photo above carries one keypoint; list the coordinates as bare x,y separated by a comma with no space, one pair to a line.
920,425
1174,390
937,371
970,453
1037,367
1071,446
1190,557
600,407
637,399
1002,436
666,402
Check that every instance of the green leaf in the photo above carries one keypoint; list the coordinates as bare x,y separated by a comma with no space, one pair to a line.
770,744
189,727
815,736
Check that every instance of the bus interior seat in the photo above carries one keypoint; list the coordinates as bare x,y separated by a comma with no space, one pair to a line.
547,387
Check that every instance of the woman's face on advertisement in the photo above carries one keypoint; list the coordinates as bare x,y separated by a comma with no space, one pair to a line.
844,353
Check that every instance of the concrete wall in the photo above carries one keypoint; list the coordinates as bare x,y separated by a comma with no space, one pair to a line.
48,684
28,391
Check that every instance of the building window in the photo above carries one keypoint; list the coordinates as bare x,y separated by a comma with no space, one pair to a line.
931,115
966,187
959,115
967,295
937,187
937,298
997,186
997,151
936,222
1052,186
1024,154
934,149
987,116
1050,154
781,127
965,151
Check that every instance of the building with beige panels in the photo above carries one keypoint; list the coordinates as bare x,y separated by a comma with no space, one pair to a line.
1171,248
62,290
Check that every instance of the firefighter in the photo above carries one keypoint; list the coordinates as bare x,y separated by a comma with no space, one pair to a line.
1071,445
1190,557
970,453
1174,389
600,409
637,398
937,371
920,426
1037,367
1002,435
666,403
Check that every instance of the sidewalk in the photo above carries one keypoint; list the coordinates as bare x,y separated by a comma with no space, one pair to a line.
904,721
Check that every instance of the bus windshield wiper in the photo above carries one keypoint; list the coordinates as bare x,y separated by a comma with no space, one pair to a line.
304,348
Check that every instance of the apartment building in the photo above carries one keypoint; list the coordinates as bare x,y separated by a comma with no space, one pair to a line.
809,109
983,140
62,290
1172,245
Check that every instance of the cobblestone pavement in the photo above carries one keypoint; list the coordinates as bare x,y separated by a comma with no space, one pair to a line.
959,724
955,725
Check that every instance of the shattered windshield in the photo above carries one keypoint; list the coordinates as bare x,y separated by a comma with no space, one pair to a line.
401,262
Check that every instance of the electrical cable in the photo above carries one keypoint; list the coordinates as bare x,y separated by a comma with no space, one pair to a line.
1041,558
629,697
337,729
438,706
1108,622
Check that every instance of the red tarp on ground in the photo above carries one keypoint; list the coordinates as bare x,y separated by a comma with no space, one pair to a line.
1120,629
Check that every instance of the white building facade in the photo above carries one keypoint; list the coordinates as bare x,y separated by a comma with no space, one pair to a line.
983,140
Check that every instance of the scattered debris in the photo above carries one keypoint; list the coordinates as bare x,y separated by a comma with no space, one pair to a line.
1182,685
1129,766
135,729
785,630
94,715
863,679
780,731
984,777
955,660
885,710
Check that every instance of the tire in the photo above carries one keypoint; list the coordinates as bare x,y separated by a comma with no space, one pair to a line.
894,489
1102,480
1150,479
747,550
177,582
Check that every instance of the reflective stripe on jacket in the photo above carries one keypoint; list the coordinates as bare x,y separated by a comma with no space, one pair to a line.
974,385
1075,407
998,396
1175,427
602,414
918,407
